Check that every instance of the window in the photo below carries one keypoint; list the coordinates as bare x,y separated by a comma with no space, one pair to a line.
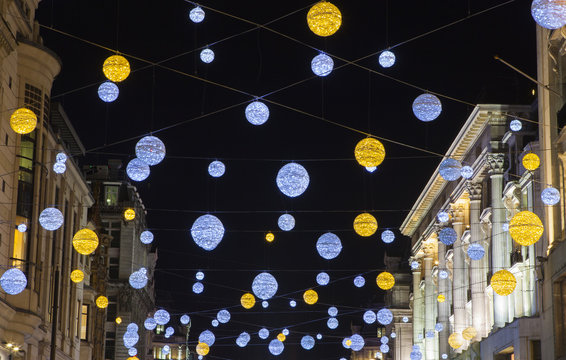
559,293
112,309
158,353
113,228
84,322
159,329
110,345
114,269
32,99
111,195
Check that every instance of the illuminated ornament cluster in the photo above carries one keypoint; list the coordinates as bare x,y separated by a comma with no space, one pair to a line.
162,317
137,170
516,125
332,311
455,340
503,282
310,296
198,287
23,121
138,279
550,196
386,59
207,232
263,333
359,281
531,161
247,300
286,222
384,316
196,14
51,219
257,113
385,280
85,241
476,251
469,333
447,236
207,337
13,281
357,342
108,91
102,302
450,169
525,228
207,56
365,224
243,339
116,68
329,246
427,107
276,347
292,179
322,279
387,236
146,237
22,228
322,65
307,342
223,316
467,172
129,214
369,152
324,18
550,14
202,349
150,150
216,169
77,276
264,286
369,317
150,324
185,319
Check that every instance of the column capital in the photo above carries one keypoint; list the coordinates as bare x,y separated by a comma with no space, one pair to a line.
457,210
496,163
474,189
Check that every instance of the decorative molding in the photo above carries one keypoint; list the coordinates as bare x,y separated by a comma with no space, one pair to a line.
474,189
496,163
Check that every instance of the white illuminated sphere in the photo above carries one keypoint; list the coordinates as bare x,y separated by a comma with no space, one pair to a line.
450,169
369,317
386,59
286,222
196,14
207,337
137,170
108,91
185,319
467,172
416,355
476,251
263,333
61,157
427,107
550,14
371,169
223,316
332,323
443,216
384,316
150,150
59,168
322,279
131,338
169,331
384,348
550,196
138,279
292,303
384,339
207,56
207,232
51,219
243,339
199,275
393,335
257,113
443,274
146,237
198,287
292,179
13,281
332,311
329,246
166,350
438,327
444,356
405,319
161,317
322,65
359,281
22,228
285,332
414,265
216,169
200,357
387,236
516,125
319,336
150,324
264,286
447,236
307,342
276,347
132,351
214,323
264,304
505,227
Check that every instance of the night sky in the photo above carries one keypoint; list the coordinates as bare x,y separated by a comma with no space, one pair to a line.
188,115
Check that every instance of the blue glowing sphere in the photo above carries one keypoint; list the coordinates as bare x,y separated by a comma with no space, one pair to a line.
265,304
138,279
185,319
550,196
207,232
443,216
276,347
443,274
307,342
319,336
393,335
207,337
169,331
198,287
359,281
131,338
322,278
450,169
161,317
223,316
286,222
515,125
146,237
166,350
416,355
332,323
384,316
150,324
199,275
132,351
22,228
264,286
243,339
427,107
345,343
150,150
216,168
263,333
59,168
505,227
292,303
429,334
108,91
257,113
444,356
447,236
196,14
329,246
414,265
214,323
292,179
476,251
207,56
51,219
386,59
388,236
61,157
384,339
332,311
550,14
384,348
467,172
285,332
13,281
322,65
371,169
369,317
137,170
405,319
438,327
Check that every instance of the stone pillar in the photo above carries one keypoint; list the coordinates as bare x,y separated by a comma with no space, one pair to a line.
430,302
458,288
418,309
443,307
499,250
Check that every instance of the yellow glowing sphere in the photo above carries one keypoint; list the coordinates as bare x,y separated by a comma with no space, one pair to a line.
23,121
269,237
503,282
531,161
310,296
525,228
118,320
247,300
129,214
102,302
455,340
469,333
133,358
324,19
385,280
349,342
369,152
365,224
85,241
441,298
202,349
77,276
281,337
116,68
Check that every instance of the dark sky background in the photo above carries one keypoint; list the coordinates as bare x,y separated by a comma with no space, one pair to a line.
456,61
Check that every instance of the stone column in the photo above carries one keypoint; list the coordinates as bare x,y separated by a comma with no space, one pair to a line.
499,250
443,307
430,302
418,309
458,287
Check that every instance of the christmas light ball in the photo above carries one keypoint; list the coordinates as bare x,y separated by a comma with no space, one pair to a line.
371,169
369,152
116,68
169,331
257,113
385,280
384,340
292,179
324,18
369,317
146,237
387,236
384,316
443,274
455,340
264,304
503,283
13,281
357,342
332,323
216,169
384,348
319,336
525,228
276,347
264,286
328,246
138,279
332,311
102,302
531,162
515,125
405,319
207,232
441,298
129,214
444,356
285,332
429,334
85,241
59,168
269,237
130,339
61,157
450,169
550,196
415,355
137,170
247,300
476,251
150,324
132,351
393,335
243,339
196,14
310,296
108,91
438,327
263,333
322,279
292,303
223,316
286,222
427,107
505,227
467,172
161,317
150,150
22,228
185,319
198,287
281,337
202,349
443,216
199,275
207,56
359,281
386,59
322,65
307,342
365,224
214,323
346,343
469,333
23,121
77,276
51,219
414,265
550,14
207,337
447,236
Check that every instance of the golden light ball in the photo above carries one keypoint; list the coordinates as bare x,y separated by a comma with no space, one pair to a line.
129,214
469,333
503,282
85,241
133,358
455,340
324,19
526,228
118,320
247,300
369,152
385,280
349,342
23,121
77,276
202,349
269,237
116,68
441,298
531,161
365,224
281,337
102,302
310,296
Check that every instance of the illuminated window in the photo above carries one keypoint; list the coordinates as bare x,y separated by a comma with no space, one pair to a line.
84,322
158,353
19,253
111,195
